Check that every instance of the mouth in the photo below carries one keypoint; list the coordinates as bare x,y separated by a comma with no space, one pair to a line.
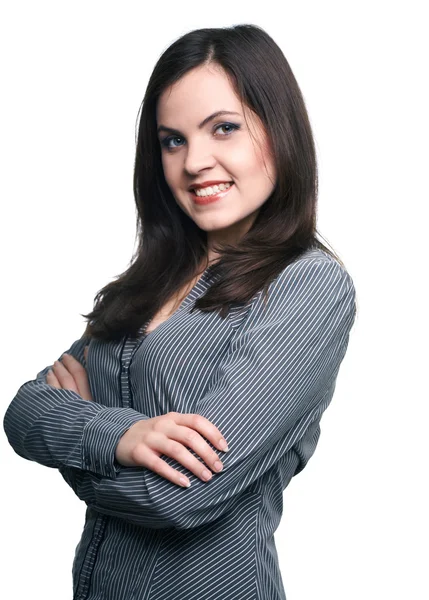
211,194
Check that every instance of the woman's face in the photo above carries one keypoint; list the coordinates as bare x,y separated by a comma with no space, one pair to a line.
221,149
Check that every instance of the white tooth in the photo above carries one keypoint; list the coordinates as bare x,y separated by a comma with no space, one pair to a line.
209,191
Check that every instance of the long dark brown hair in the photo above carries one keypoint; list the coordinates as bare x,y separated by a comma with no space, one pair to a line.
171,248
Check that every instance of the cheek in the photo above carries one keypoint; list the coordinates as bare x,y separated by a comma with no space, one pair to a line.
170,173
253,158
165,167
242,162
256,168
265,163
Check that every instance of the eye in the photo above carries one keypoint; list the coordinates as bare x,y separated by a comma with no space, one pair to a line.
165,143
233,127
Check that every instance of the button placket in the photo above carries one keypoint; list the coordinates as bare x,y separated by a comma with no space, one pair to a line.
127,354
131,344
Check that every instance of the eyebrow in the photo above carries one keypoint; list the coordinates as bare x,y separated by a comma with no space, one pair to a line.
218,113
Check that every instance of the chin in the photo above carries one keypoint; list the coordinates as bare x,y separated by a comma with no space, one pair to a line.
213,224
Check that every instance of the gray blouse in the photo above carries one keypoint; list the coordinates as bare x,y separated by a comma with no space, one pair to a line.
264,376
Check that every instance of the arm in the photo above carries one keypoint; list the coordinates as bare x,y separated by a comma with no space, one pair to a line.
276,380
51,426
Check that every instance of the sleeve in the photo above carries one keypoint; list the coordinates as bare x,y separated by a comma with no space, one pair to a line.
276,379
59,429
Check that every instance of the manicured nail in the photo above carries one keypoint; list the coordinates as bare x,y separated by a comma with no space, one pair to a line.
223,445
184,482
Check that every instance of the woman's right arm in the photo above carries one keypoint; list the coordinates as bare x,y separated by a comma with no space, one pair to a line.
50,426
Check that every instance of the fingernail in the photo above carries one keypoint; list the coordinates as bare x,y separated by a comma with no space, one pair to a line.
223,445
184,482
206,475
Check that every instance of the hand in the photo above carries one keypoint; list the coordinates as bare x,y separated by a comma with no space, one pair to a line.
69,374
144,442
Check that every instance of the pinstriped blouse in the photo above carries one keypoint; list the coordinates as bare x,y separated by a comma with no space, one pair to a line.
264,376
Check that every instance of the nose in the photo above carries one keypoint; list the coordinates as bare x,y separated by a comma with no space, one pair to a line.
198,157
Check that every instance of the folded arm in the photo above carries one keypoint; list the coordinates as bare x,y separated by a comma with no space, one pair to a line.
59,429
274,383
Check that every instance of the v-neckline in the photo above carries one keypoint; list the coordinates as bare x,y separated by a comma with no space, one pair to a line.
143,334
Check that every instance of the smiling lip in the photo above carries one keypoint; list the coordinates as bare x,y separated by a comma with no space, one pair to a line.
199,186
209,199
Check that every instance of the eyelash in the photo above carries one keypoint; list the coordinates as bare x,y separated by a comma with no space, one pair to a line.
166,140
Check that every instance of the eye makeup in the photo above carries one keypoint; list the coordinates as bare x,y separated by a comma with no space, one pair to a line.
165,142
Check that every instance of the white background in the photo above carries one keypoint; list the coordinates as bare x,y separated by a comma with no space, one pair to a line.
73,76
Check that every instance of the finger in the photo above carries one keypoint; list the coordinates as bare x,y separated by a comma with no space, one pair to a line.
192,439
52,380
64,377
203,426
144,456
176,450
79,375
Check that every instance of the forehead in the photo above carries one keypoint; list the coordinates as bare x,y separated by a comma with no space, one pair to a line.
198,93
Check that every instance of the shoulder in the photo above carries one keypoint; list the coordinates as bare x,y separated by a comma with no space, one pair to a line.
315,279
314,288
314,268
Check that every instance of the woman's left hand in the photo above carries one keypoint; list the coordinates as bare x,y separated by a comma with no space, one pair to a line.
69,374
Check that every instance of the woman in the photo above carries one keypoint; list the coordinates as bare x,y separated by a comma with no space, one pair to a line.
230,323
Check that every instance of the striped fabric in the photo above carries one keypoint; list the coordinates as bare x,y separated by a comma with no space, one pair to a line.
263,376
